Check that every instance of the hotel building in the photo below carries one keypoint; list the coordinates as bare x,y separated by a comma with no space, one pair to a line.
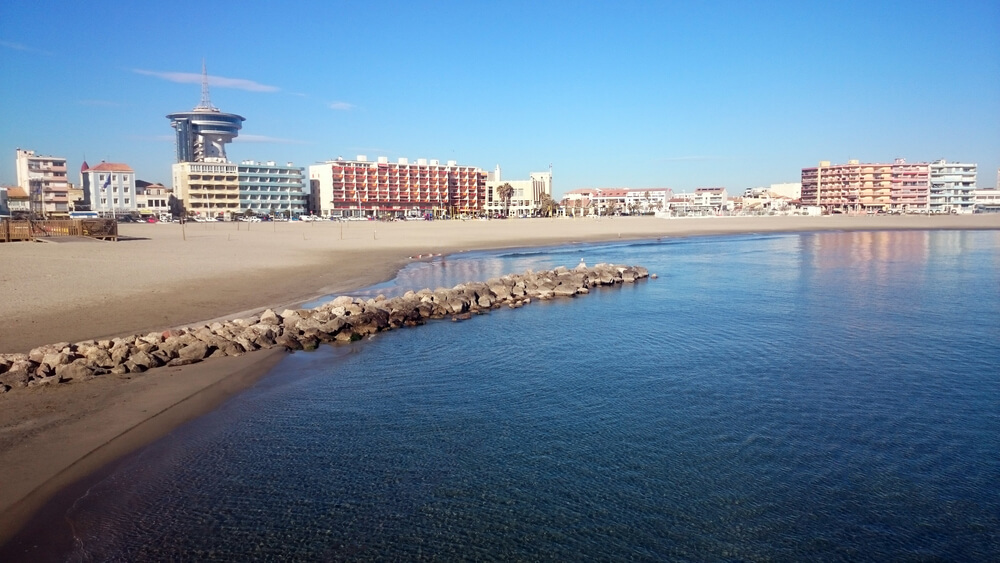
359,188
267,188
109,189
847,187
43,178
527,195
208,189
938,187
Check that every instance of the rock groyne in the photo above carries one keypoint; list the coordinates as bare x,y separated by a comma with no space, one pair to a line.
343,319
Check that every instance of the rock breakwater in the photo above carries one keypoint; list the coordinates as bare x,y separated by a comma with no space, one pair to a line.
344,319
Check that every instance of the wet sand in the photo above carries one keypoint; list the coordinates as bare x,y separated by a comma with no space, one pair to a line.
163,277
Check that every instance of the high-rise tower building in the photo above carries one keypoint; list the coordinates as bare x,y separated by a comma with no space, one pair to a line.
203,132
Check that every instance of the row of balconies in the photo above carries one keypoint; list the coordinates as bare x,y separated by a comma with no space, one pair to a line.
214,178
213,196
213,205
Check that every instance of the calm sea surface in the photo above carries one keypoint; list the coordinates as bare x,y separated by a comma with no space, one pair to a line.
822,396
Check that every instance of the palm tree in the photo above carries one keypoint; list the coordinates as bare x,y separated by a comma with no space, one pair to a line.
504,193
547,206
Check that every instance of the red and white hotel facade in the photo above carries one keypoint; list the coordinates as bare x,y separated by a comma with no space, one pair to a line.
360,188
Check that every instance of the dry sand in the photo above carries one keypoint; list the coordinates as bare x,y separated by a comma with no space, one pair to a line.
163,277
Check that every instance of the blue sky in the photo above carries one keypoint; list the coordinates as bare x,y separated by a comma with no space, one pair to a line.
633,94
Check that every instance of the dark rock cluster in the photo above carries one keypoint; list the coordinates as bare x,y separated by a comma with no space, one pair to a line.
344,319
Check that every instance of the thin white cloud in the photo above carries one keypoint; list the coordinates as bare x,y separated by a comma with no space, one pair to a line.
22,47
266,139
341,106
217,81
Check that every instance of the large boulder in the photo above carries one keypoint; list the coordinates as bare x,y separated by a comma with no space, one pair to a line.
269,317
195,351
78,370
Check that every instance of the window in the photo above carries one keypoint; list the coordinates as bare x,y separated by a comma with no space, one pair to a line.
126,201
104,201
116,201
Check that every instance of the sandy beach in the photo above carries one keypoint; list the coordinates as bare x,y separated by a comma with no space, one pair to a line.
160,276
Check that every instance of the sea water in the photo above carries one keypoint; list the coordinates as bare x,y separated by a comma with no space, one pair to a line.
817,396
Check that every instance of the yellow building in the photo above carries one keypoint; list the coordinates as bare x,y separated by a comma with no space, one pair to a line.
209,189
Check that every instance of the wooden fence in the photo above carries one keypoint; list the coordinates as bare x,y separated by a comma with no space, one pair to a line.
14,231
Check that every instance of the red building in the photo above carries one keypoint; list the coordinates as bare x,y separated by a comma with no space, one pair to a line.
352,188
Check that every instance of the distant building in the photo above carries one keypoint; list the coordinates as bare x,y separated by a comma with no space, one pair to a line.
267,188
526,197
952,187
987,201
598,201
4,206
203,179
359,188
18,201
208,189
911,186
203,132
109,189
152,200
43,178
790,190
937,187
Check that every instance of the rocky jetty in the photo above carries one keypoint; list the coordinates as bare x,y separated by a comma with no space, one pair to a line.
344,319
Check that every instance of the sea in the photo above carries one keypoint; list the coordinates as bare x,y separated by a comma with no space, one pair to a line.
822,396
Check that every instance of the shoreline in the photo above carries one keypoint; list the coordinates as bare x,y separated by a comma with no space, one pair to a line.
51,438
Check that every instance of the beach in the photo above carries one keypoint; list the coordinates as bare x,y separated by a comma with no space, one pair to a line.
162,276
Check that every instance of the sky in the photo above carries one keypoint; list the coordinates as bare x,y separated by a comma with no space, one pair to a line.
610,94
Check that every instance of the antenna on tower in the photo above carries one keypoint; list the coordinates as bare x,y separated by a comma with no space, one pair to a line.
206,102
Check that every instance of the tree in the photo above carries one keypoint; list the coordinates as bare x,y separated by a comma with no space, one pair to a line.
646,196
547,206
505,192
176,207
612,208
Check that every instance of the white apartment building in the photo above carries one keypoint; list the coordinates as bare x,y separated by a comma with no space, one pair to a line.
600,201
703,201
43,178
952,187
268,188
109,188
526,197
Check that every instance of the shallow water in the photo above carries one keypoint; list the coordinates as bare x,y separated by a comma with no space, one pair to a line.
821,396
